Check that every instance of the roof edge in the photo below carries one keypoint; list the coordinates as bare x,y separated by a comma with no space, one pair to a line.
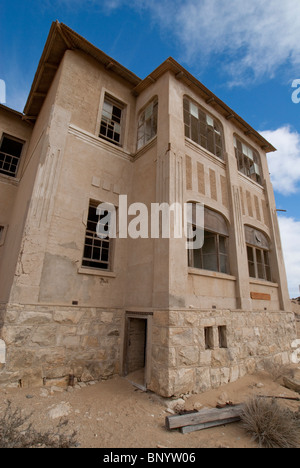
65,39
181,73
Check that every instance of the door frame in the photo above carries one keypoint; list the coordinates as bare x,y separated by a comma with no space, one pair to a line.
148,316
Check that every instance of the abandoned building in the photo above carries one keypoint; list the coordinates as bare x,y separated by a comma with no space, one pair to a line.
74,304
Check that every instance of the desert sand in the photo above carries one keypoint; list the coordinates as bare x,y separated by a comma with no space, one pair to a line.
116,414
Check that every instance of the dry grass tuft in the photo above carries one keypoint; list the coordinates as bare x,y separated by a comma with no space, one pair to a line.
270,424
17,432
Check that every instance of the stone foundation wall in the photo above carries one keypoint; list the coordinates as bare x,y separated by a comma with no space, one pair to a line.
181,362
45,344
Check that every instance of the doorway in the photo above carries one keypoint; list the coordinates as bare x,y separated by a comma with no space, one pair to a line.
137,349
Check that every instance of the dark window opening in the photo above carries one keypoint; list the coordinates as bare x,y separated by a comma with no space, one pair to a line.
222,336
258,254
248,161
10,154
209,337
111,121
147,125
97,251
213,256
202,128
259,263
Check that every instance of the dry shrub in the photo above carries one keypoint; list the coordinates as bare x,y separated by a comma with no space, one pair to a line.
17,432
270,424
277,370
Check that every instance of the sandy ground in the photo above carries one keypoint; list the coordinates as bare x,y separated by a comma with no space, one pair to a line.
115,414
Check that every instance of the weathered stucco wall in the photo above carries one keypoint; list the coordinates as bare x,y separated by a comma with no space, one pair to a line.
67,165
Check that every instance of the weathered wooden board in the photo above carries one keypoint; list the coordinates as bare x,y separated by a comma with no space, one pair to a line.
200,427
204,416
260,296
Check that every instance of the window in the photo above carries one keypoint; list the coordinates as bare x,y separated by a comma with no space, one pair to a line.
248,161
222,331
258,254
202,128
209,337
147,125
97,252
213,256
1,234
10,153
111,121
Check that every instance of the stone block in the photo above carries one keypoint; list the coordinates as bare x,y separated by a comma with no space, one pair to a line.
188,356
203,381
16,336
44,335
181,336
33,318
205,357
182,380
234,373
70,316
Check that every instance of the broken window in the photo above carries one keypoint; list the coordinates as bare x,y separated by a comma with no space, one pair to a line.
147,124
10,154
213,256
97,251
202,128
248,161
258,254
111,121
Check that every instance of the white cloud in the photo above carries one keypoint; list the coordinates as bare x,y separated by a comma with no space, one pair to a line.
284,164
249,39
253,36
290,236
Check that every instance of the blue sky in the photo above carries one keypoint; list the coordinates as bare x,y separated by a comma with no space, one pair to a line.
246,52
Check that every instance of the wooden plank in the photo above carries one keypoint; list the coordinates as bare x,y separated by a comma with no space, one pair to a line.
260,296
203,416
200,427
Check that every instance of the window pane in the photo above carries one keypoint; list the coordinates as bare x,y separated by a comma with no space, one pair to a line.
224,264
110,128
197,259
251,263
96,250
210,262
202,128
223,245
10,152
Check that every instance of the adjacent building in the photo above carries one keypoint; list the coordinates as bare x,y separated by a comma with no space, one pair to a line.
75,304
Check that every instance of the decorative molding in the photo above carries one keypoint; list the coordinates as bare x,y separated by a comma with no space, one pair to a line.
93,140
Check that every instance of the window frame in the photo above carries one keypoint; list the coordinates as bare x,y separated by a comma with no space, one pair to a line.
198,129
88,263
262,266
142,123
105,120
18,140
216,229
248,160
258,245
216,253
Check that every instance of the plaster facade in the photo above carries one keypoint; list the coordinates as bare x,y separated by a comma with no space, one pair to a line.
59,317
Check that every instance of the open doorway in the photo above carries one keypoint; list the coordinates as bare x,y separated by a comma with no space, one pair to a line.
136,355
